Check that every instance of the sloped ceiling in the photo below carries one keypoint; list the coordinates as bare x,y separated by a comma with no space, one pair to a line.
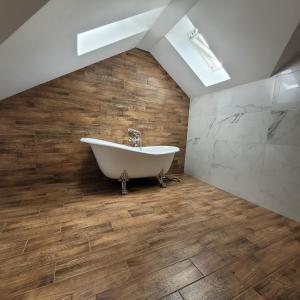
291,53
13,13
45,47
248,36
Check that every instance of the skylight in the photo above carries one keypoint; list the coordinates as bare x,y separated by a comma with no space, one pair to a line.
111,33
196,52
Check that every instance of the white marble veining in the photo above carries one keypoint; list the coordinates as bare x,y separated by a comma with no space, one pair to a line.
241,157
246,140
252,97
287,92
201,126
235,166
284,127
248,127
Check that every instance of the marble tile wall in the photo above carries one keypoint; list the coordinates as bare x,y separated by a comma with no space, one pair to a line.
246,140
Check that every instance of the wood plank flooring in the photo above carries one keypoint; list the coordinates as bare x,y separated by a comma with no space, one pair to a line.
189,241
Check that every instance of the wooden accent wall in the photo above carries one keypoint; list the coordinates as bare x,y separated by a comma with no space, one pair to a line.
41,127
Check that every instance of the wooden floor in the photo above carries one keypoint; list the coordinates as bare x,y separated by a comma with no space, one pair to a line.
188,241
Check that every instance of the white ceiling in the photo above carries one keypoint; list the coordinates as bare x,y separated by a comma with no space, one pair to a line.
13,13
45,47
248,36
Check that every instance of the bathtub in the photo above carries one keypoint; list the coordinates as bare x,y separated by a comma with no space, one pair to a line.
123,162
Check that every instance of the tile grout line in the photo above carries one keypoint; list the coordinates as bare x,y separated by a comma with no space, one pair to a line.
177,291
251,286
258,292
229,263
190,259
239,294
274,271
180,294
56,264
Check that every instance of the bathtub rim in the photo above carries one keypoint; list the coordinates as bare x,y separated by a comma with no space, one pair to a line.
151,150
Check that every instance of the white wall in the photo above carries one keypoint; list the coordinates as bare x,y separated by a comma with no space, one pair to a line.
246,140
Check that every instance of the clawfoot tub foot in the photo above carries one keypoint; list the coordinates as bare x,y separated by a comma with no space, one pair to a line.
124,178
160,178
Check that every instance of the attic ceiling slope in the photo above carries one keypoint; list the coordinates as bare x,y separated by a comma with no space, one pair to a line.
170,16
291,52
45,47
13,13
247,36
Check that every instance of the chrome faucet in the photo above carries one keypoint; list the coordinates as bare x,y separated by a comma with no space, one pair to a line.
135,137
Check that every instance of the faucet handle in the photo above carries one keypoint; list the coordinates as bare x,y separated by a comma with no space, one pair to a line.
135,137
134,132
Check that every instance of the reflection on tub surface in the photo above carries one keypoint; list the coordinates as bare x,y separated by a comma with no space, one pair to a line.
115,159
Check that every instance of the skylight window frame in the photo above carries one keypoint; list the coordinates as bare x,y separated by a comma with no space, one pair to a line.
111,33
202,46
179,38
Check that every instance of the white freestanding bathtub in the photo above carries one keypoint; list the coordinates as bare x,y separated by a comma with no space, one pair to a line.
123,162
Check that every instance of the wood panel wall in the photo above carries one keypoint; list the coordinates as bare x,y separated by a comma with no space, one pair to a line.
41,127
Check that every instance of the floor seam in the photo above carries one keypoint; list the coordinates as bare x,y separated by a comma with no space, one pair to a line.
182,235
190,259
180,294
251,286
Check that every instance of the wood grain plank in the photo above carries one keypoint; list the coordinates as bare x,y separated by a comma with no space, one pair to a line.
173,296
157,284
231,280
40,128
88,284
249,294
71,240
283,284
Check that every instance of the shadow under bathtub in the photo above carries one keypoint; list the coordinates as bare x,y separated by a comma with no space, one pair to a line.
92,181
